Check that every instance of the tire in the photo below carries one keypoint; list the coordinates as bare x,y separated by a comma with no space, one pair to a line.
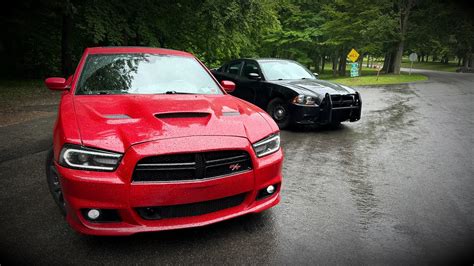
334,124
279,110
54,185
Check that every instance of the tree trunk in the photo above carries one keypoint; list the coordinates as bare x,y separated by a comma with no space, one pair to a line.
388,62
66,40
334,65
466,60
445,59
361,62
316,62
404,13
368,60
397,62
323,62
342,64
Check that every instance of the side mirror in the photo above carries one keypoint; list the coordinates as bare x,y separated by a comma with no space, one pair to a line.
228,86
56,84
254,76
315,74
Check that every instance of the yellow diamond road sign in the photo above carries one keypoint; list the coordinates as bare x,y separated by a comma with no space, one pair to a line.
353,55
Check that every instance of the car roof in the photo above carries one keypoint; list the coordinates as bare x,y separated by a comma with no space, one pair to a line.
135,50
272,59
259,60
265,59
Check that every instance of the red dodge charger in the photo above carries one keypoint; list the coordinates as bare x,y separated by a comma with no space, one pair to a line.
147,140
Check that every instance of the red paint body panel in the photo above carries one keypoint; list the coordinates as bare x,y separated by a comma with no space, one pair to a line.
118,134
229,124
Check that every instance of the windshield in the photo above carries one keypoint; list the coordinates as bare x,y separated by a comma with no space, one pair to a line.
144,74
280,69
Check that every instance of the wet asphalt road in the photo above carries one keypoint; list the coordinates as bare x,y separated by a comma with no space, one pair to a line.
396,187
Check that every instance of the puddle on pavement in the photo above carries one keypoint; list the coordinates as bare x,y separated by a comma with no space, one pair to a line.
345,154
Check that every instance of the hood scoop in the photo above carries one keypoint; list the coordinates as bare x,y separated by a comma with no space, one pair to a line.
184,119
181,115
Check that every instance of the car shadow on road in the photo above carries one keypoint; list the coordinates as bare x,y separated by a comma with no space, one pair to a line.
258,228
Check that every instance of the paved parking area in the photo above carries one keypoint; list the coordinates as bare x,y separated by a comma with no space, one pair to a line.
396,187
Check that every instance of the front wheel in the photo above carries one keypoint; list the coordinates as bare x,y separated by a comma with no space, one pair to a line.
279,111
335,124
52,176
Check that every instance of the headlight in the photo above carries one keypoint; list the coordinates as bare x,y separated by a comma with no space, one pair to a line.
78,157
305,100
267,145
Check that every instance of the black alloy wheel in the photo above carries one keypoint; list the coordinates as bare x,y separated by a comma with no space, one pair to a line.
279,111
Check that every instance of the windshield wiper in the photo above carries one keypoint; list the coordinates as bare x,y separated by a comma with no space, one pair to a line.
178,92
107,92
99,92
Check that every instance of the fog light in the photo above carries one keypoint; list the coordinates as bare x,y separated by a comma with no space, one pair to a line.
101,215
93,214
270,189
267,192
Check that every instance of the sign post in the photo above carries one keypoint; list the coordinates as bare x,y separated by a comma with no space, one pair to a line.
412,57
379,68
353,55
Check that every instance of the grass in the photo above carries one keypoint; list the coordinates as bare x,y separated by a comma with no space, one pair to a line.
384,79
16,93
450,67
9,88
369,77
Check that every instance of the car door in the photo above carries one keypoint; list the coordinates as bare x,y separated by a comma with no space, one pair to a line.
250,81
233,72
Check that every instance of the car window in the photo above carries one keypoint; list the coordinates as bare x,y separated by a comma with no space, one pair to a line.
234,68
250,67
144,74
282,69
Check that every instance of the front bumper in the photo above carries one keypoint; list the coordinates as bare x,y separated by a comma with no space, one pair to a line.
326,113
115,190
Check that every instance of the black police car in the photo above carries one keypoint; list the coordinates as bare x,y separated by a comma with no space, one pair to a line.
290,93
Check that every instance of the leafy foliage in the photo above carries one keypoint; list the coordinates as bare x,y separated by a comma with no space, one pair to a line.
38,41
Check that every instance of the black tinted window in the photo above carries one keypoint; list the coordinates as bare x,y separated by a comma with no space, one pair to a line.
250,67
234,68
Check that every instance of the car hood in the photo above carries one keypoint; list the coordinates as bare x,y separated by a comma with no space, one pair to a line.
315,87
115,122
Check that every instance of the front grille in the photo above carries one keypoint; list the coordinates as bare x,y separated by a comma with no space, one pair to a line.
191,166
191,209
342,100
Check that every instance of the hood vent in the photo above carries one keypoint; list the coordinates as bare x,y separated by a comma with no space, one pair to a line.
117,116
181,115
230,113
